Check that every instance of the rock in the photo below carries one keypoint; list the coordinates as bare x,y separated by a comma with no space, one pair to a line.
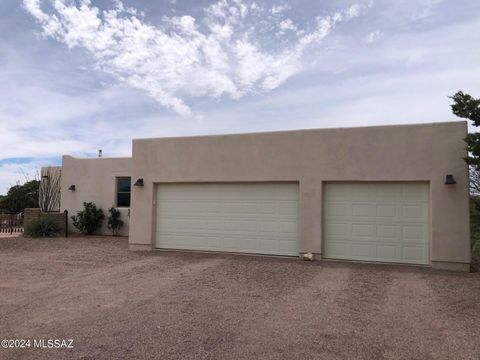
307,256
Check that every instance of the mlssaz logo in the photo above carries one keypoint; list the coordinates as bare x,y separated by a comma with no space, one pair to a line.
53,343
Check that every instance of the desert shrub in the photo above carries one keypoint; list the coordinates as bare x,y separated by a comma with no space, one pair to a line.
114,222
89,219
43,227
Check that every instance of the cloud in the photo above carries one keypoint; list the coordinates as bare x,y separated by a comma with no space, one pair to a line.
220,54
18,170
373,36
277,9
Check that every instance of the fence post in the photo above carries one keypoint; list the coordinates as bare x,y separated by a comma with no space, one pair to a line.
66,223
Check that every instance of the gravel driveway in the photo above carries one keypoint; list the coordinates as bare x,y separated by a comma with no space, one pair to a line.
119,304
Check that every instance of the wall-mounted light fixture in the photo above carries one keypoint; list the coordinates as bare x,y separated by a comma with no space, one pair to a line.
450,180
72,188
44,176
139,182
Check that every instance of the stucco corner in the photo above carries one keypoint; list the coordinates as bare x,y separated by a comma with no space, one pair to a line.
451,266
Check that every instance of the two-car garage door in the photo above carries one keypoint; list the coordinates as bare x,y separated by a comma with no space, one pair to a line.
385,222
232,217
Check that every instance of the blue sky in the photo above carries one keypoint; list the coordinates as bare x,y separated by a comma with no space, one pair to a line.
78,76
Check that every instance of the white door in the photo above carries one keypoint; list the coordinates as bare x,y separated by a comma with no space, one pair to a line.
233,217
385,222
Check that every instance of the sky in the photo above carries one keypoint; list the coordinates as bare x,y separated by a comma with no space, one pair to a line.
77,75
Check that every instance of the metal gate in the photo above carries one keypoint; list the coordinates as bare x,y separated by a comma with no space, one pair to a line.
11,223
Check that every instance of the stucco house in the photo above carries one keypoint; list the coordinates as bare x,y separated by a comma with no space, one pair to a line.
394,194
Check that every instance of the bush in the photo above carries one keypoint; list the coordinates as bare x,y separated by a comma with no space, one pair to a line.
42,228
114,222
89,219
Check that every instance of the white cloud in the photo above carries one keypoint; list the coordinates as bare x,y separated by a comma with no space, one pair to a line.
277,9
218,55
426,8
287,24
12,174
373,36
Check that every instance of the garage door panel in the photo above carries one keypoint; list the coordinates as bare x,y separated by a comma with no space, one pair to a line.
363,250
336,209
337,249
274,247
335,230
287,227
418,193
389,193
361,192
414,212
250,218
288,208
413,253
389,231
414,233
376,222
362,230
387,251
363,210
386,211
338,193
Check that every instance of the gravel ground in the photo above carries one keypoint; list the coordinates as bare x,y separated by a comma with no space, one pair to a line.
119,304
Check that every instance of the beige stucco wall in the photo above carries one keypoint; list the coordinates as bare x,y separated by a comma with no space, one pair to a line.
95,181
424,152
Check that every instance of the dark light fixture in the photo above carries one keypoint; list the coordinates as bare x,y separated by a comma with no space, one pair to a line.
450,180
72,188
139,182
44,176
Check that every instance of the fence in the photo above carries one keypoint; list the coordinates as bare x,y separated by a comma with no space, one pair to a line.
61,218
11,223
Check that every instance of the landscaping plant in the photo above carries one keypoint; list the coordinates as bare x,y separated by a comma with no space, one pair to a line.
114,222
89,219
468,107
42,228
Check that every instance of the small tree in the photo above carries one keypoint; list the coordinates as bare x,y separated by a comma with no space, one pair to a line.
20,197
89,219
467,107
114,222
49,193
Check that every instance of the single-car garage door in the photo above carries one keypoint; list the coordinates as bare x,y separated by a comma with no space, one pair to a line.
233,217
385,222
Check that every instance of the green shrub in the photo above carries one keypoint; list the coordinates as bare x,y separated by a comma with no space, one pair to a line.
89,219
114,222
45,227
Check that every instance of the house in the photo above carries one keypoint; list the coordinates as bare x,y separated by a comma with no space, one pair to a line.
394,194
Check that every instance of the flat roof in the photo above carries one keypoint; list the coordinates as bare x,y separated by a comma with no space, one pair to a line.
439,123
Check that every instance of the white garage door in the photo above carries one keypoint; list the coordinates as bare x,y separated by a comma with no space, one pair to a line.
239,217
385,222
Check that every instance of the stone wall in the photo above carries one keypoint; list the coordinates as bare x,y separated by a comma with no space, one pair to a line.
32,214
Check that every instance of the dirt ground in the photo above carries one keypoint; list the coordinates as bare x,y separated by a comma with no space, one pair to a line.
117,304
